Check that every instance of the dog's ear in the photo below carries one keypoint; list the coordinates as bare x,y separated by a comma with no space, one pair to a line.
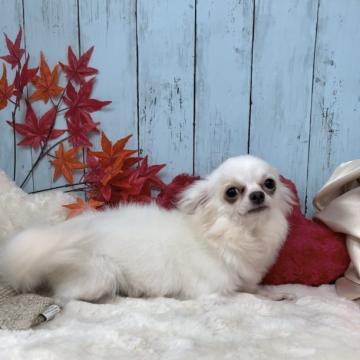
194,196
288,199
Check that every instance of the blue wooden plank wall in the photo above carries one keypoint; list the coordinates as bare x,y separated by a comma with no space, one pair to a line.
197,81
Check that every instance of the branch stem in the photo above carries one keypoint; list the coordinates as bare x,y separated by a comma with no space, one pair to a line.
44,151
13,120
61,187
42,154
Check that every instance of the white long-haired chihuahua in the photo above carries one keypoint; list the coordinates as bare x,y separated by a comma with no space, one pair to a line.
223,236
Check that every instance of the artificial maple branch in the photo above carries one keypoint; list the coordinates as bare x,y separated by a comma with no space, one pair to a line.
112,175
43,151
14,59
61,187
13,120
57,112
13,115
78,189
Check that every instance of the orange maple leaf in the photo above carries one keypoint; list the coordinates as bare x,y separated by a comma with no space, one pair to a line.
65,163
110,152
47,83
112,157
80,206
113,170
6,91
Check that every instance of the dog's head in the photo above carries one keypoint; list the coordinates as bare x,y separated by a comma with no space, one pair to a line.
243,186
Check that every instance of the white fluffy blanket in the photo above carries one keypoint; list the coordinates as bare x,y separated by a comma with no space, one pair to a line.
318,325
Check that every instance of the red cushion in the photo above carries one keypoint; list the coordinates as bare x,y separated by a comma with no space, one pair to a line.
312,254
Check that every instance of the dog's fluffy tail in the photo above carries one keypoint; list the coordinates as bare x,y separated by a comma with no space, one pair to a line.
29,258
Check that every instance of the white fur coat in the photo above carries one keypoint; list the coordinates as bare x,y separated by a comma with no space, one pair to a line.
19,210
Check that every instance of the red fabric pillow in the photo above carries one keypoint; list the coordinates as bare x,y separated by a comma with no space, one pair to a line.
312,254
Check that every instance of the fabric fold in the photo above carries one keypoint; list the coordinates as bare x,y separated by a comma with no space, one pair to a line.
338,203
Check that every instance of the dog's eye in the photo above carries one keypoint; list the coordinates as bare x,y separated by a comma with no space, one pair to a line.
232,193
270,184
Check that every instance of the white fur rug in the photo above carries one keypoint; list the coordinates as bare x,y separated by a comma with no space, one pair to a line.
318,325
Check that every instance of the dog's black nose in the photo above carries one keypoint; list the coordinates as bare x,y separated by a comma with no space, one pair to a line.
257,197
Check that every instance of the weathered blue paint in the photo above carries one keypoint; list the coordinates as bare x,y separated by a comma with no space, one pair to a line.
10,20
335,118
281,85
196,81
50,26
223,72
110,26
166,67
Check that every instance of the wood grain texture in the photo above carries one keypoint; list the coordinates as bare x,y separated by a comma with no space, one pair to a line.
50,26
223,71
111,27
181,74
335,125
166,67
283,51
11,20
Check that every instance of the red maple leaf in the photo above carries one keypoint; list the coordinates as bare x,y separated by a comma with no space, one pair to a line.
95,172
80,105
23,77
65,163
78,69
6,91
79,133
108,164
47,83
15,52
113,178
138,184
34,131
80,206
149,173
106,192
112,157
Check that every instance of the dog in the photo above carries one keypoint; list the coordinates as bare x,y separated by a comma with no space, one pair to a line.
222,237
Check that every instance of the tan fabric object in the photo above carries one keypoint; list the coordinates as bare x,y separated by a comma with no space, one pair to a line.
343,213
23,311
342,179
339,205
